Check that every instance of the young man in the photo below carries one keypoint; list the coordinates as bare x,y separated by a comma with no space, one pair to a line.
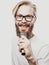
27,50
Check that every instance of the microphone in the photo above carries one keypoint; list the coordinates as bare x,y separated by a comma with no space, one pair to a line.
22,35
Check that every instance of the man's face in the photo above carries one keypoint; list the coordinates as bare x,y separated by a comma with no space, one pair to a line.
25,18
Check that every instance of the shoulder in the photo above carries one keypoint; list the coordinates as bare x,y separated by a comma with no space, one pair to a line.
37,42
42,48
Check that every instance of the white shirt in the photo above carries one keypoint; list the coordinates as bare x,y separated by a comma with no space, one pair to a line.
39,49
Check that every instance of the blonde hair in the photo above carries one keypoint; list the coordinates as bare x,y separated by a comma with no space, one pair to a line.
15,9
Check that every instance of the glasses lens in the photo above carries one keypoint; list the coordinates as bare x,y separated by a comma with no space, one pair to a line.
19,17
29,18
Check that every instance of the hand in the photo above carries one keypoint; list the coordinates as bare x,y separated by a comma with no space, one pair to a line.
24,43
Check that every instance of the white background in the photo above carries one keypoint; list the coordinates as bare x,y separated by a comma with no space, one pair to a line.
41,28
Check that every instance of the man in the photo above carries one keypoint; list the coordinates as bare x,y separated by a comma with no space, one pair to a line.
27,50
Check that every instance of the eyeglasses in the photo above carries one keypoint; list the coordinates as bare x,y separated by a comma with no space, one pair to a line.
28,18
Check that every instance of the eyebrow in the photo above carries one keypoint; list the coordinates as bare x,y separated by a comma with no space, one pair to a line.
25,15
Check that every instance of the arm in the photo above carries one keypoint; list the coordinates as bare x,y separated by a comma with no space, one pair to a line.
26,45
32,61
43,57
14,60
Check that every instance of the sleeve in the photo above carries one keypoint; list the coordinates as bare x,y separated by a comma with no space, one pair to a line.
43,56
14,59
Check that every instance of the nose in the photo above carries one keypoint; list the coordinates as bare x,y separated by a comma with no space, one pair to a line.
23,21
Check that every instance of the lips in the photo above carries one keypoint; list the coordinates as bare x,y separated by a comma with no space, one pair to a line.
23,25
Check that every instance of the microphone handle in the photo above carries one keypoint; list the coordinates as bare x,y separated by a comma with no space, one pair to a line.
22,52
23,35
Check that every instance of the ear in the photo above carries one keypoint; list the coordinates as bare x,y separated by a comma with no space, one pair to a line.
34,19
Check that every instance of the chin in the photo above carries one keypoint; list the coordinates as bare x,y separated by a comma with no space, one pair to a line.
24,30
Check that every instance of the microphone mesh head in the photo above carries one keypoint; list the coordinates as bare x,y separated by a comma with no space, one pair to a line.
22,34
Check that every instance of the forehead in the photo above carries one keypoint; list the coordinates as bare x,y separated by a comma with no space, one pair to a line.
25,10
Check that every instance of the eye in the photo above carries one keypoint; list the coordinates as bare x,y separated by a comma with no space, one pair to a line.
18,17
29,17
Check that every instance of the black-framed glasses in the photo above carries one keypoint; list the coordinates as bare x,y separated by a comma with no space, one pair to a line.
28,18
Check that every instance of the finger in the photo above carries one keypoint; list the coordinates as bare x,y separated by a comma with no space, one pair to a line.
21,48
19,44
22,38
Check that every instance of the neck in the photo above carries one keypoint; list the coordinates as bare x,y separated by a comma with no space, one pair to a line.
30,35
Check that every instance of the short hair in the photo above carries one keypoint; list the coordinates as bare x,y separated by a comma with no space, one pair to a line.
15,9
